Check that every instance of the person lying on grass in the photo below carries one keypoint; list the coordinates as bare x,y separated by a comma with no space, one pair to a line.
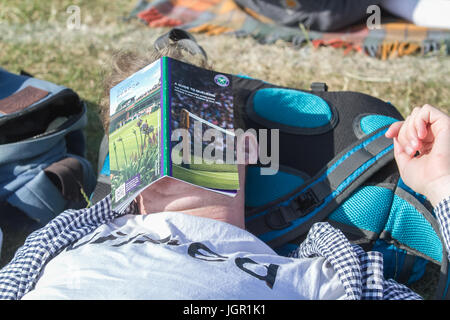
179,241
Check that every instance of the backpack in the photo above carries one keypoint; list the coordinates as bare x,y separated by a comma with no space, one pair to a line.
43,169
336,165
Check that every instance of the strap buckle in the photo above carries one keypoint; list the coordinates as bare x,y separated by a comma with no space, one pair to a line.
306,202
319,87
281,217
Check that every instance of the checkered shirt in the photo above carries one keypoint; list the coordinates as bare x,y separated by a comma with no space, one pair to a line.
442,212
360,272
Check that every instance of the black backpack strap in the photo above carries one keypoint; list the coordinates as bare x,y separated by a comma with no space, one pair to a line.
102,189
442,290
293,215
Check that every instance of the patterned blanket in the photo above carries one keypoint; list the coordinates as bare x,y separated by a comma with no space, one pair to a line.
212,17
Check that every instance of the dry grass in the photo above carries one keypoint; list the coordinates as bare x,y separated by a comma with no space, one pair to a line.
34,37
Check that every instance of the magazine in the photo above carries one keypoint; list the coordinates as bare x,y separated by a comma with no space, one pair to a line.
171,119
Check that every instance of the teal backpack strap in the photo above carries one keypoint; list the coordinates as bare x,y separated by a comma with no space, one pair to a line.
414,230
292,216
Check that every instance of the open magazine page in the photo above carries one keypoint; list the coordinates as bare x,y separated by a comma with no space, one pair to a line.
134,134
202,119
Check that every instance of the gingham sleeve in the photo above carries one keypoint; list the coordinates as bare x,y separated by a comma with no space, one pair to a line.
20,275
442,211
360,272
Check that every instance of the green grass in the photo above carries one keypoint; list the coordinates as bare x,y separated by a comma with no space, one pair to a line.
34,37
214,167
129,139
207,179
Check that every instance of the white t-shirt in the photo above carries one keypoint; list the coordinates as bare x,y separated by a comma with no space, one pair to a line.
172,255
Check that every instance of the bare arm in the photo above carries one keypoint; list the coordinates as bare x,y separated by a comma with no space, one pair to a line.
422,153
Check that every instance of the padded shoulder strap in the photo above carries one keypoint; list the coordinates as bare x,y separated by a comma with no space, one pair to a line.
292,216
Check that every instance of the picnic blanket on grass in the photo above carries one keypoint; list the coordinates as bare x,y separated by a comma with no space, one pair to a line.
212,17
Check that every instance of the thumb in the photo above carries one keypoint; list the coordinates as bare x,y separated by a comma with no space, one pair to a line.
394,129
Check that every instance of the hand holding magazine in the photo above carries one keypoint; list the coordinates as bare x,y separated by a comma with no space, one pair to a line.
171,119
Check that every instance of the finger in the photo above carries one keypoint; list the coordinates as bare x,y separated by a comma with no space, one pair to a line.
414,141
426,149
413,135
431,114
421,127
401,157
394,129
404,139
433,118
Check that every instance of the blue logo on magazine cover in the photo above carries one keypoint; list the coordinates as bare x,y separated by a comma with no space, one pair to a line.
221,80
133,183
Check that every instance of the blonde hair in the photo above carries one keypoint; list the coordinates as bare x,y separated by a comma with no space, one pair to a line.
125,63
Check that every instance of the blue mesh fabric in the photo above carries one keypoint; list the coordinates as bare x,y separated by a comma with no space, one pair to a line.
410,227
367,208
262,189
291,107
373,122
